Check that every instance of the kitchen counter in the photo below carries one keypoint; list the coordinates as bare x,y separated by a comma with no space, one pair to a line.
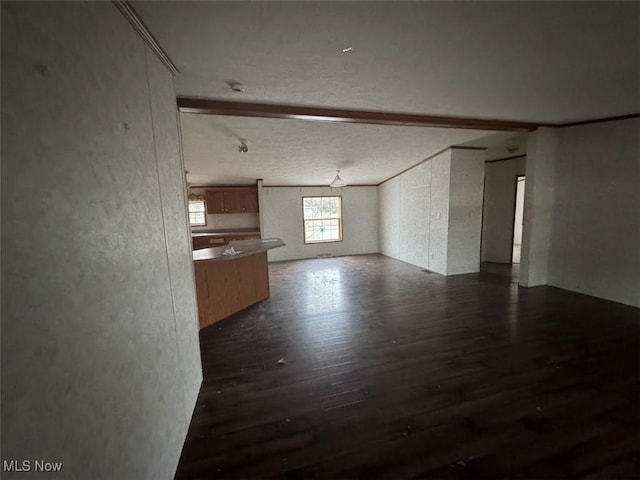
227,283
218,238
242,247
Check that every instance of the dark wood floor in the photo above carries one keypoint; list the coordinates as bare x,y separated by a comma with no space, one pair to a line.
395,372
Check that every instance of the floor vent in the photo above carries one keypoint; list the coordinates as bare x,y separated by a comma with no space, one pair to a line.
324,255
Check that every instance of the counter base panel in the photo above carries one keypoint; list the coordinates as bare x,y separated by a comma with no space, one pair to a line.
226,287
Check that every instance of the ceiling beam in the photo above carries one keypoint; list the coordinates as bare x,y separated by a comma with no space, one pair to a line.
322,114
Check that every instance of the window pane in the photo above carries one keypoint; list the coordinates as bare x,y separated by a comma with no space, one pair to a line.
329,207
197,214
311,202
309,213
321,219
322,230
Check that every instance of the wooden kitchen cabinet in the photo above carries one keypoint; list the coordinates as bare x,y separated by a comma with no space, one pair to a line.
232,200
214,201
206,242
250,201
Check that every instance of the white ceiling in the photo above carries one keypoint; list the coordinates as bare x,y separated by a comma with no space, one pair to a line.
295,152
542,62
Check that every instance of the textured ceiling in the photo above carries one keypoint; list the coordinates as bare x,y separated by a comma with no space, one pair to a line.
531,61
544,62
295,152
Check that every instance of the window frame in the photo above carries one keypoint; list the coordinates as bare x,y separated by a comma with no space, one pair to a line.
204,204
340,221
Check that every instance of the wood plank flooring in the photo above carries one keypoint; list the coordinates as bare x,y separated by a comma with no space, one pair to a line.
394,372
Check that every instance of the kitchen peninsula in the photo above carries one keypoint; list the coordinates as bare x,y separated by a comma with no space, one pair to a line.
232,277
216,238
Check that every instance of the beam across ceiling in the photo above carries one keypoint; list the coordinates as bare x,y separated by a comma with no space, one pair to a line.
321,114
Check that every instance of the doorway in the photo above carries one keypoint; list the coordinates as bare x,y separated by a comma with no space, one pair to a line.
518,219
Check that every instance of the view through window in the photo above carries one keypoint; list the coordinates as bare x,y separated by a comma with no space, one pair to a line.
322,219
197,212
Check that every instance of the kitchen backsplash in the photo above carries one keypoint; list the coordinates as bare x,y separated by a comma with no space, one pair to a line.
230,220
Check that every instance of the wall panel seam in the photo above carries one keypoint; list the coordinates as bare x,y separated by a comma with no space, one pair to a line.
164,226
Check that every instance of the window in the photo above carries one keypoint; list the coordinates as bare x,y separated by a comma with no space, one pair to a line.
197,211
322,219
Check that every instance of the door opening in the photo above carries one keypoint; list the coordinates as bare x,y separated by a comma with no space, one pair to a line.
518,219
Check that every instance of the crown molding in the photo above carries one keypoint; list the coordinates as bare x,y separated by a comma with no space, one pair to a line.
138,25
596,120
440,152
462,147
506,158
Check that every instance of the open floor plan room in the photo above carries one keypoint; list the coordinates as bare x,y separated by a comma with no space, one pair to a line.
325,240
391,371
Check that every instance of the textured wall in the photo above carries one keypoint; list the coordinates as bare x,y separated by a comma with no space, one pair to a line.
414,214
413,221
430,216
439,214
542,150
499,205
595,241
282,217
389,215
178,240
465,211
406,220
100,353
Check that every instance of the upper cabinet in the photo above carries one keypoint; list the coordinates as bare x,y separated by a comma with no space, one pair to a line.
232,200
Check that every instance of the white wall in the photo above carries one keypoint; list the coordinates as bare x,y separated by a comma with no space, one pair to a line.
438,215
499,205
389,218
539,204
226,220
430,216
100,355
595,241
513,146
282,217
414,214
465,211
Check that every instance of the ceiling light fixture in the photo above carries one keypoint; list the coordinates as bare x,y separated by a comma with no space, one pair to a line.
236,87
242,148
347,50
338,182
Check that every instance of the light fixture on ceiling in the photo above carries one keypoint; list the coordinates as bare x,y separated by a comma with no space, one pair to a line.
242,148
338,182
347,50
236,87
